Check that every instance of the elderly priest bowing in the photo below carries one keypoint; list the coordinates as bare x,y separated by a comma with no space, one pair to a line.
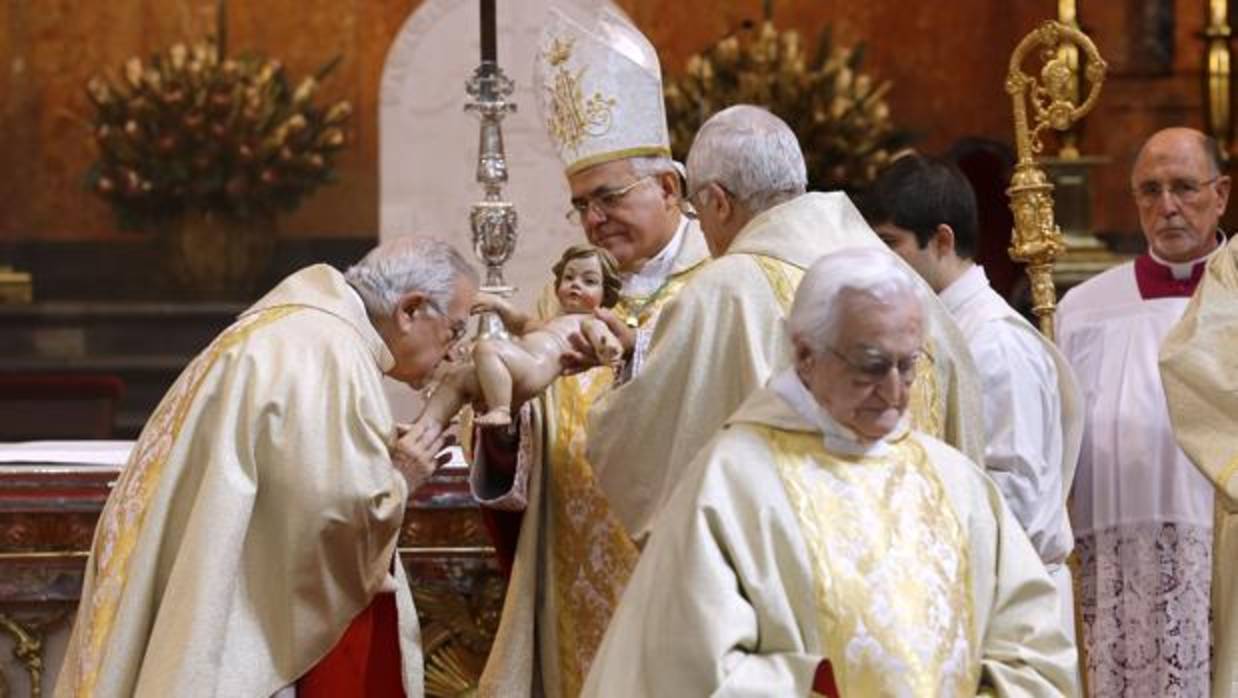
249,545
819,544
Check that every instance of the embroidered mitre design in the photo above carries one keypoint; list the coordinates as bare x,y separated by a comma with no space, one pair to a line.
571,117
600,90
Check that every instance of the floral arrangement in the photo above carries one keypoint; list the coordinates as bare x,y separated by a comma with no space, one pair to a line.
839,113
195,130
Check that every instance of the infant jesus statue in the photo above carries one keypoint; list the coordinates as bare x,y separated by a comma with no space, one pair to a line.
586,278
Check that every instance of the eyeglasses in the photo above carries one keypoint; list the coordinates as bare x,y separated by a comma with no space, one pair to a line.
875,366
458,327
693,197
606,202
1184,191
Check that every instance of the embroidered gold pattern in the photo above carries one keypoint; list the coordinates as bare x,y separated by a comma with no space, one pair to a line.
638,311
783,278
123,516
890,566
925,404
592,555
573,116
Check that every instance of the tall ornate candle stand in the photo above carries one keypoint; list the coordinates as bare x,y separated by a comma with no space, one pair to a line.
493,220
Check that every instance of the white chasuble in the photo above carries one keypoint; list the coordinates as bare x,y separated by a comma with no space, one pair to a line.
255,518
723,337
789,542
1199,366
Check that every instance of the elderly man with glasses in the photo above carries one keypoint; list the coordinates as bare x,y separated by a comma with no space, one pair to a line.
570,555
1141,511
820,543
249,546
719,339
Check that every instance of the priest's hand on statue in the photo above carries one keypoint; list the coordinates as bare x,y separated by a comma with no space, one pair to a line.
583,355
419,451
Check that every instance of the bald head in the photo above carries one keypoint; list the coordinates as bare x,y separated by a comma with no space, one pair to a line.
1180,138
1181,192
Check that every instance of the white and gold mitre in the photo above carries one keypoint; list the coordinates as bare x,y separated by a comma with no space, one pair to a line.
600,90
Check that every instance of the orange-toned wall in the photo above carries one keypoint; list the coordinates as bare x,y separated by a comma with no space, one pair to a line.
947,60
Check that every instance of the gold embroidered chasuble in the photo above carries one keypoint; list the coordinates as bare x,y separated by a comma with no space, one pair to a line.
573,557
254,520
723,337
783,546
1199,369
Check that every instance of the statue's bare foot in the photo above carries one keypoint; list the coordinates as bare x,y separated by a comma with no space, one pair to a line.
497,417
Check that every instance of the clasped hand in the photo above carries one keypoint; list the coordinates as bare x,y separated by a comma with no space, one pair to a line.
417,451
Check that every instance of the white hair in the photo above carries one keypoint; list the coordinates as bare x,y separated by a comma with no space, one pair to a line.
404,265
752,154
816,313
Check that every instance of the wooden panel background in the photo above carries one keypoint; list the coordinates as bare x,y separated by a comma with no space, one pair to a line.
947,60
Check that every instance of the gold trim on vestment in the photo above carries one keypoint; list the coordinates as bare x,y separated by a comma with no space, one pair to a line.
925,404
638,311
593,555
1228,472
643,151
123,517
783,278
891,572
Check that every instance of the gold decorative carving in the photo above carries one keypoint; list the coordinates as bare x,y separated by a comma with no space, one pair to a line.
459,527
1220,125
1037,239
457,631
47,531
28,647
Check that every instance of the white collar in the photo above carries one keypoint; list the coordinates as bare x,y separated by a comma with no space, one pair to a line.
654,272
971,282
1182,270
835,436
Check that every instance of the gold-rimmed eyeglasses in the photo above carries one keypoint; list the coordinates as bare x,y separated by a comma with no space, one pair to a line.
605,202
1186,191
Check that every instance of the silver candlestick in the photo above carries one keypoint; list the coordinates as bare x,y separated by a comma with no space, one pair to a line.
493,220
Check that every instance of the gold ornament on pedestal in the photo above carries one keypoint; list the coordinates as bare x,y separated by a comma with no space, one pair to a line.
839,113
198,145
1037,239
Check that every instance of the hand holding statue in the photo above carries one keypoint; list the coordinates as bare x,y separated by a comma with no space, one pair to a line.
505,372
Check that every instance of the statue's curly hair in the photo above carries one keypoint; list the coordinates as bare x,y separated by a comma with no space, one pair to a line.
610,270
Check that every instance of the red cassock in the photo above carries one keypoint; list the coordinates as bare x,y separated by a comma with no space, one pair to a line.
366,660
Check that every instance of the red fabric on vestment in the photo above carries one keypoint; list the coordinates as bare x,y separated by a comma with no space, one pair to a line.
503,526
823,683
365,663
1156,280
